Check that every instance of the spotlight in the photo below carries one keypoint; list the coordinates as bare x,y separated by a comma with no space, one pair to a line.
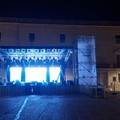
48,50
34,58
14,59
41,58
59,50
30,59
28,50
17,50
23,50
19,57
44,61
53,50
56,57
42,50
37,59
36,50
11,50
44,57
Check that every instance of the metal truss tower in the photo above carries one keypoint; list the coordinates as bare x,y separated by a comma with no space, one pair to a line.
85,61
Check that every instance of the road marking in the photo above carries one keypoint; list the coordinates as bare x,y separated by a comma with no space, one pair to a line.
21,109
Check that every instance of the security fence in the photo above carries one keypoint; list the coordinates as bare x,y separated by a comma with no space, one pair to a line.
50,90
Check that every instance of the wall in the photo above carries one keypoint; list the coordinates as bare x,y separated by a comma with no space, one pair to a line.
16,34
48,35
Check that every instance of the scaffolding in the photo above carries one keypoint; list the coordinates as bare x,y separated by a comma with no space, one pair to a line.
84,57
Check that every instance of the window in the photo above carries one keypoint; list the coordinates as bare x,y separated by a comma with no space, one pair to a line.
117,38
0,36
31,37
119,77
118,60
62,38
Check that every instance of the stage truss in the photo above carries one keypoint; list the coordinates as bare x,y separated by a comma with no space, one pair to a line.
43,55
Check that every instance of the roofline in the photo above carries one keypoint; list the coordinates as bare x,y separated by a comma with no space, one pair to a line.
58,21
36,47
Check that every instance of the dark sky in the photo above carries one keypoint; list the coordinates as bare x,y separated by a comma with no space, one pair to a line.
49,9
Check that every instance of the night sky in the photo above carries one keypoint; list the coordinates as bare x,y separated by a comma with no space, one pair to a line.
49,9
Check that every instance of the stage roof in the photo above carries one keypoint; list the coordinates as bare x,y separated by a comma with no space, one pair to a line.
10,54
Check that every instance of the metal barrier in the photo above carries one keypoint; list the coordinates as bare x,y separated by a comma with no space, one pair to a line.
39,90
97,91
51,90
12,90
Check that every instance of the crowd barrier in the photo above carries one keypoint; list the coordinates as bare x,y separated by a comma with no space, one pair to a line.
12,90
48,90
97,91
38,90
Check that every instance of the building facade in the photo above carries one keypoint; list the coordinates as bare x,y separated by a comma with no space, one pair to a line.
18,34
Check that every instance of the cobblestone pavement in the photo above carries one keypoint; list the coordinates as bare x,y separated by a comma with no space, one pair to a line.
58,108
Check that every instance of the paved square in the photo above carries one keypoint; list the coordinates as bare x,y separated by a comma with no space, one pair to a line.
58,108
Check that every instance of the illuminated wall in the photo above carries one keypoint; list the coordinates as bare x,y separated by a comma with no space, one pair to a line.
86,60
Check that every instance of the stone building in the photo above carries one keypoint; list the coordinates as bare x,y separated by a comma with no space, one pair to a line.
87,52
